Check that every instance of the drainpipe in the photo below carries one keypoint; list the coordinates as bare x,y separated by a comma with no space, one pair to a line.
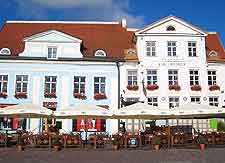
118,68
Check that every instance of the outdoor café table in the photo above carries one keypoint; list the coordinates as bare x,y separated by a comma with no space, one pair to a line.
130,138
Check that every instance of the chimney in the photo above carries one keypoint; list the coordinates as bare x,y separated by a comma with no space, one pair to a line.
123,23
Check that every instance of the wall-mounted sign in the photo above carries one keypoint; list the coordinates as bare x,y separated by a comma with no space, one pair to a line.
50,104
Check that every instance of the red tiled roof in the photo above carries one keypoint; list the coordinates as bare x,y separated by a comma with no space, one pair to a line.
112,38
213,43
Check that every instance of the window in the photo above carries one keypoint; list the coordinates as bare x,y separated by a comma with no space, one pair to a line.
79,84
214,101
192,49
100,53
212,53
173,77
5,51
52,52
152,77
153,101
132,77
172,49
170,28
211,77
195,100
194,77
3,83
50,84
173,102
99,85
21,83
150,48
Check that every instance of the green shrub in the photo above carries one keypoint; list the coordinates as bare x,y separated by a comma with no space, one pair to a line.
220,126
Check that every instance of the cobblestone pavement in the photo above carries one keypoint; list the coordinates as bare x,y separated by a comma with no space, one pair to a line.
212,155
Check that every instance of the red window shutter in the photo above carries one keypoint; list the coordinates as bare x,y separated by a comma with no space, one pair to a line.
78,124
98,124
15,123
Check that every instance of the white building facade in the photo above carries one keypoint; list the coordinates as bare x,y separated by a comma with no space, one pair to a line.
172,69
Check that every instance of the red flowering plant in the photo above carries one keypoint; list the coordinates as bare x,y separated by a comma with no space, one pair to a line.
3,95
214,87
99,96
21,95
50,95
196,88
174,87
152,87
79,96
132,87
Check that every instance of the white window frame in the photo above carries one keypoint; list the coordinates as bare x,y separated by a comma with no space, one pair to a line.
131,74
211,77
24,84
100,52
80,83
153,101
172,48
50,82
3,83
214,101
52,55
152,78
192,48
174,76
101,84
151,48
195,99
5,49
195,77
174,102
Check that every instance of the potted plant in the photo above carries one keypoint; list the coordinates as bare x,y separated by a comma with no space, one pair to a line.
99,96
20,145
174,87
56,144
156,143
115,144
152,87
196,88
132,87
214,87
202,142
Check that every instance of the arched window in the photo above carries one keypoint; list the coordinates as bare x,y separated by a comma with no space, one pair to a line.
5,51
212,53
100,53
170,28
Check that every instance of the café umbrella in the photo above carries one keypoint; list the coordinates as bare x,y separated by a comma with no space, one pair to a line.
27,110
83,111
142,111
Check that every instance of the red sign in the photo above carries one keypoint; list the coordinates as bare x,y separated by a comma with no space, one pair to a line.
50,104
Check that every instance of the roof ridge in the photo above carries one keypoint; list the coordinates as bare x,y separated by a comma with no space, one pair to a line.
62,22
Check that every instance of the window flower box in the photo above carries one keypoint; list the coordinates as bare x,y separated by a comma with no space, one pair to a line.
21,95
99,96
3,95
174,87
80,96
132,87
214,87
196,88
50,95
152,87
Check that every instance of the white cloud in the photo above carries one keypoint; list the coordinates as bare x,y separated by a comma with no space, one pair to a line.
107,10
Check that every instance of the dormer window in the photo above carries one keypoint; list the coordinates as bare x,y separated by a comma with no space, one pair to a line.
5,51
100,53
52,53
170,28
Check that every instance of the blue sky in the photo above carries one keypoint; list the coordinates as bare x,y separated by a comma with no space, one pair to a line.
206,14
